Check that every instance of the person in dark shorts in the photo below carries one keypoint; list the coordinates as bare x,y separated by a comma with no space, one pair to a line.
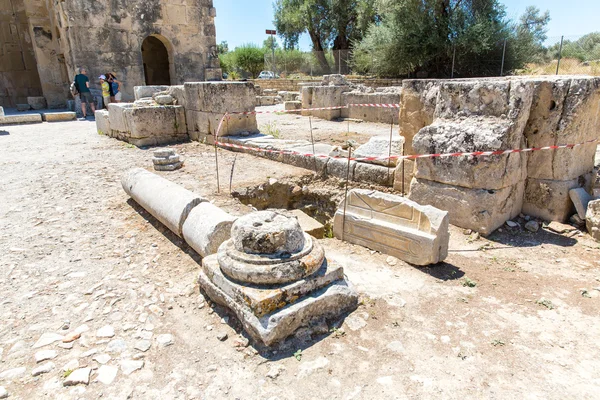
82,84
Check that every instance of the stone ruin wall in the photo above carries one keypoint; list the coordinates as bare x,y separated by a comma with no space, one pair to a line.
103,36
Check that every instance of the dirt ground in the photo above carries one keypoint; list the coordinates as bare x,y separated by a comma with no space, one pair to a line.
511,316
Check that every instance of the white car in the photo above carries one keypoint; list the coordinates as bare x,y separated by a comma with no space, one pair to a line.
266,75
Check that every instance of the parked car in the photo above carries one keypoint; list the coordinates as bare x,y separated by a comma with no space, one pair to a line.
267,75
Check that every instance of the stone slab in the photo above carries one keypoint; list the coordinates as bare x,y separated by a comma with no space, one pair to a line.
580,198
292,105
372,173
59,116
207,123
330,302
263,300
309,225
147,91
37,102
159,121
168,167
219,97
394,225
403,175
379,146
592,219
166,201
480,210
549,199
206,228
20,119
23,107
117,117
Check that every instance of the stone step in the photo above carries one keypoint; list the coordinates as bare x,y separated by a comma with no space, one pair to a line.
59,116
20,119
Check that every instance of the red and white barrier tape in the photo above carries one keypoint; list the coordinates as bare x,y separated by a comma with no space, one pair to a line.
408,157
313,109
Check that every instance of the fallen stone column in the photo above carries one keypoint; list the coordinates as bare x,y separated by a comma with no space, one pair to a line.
206,227
168,202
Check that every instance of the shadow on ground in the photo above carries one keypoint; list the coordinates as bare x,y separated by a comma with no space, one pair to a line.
524,238
443,271
4,133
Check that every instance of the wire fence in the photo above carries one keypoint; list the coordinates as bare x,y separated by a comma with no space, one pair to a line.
565,55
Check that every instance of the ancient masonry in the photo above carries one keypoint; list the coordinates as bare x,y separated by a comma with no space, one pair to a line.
42,43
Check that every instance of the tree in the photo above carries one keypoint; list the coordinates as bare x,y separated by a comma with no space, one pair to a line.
269,43
250,58
223,47
422,36
335,23
586,48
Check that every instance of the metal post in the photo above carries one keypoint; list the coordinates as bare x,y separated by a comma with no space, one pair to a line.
313,144
559,54
403,149
453,57
503,54
340,62
217,167
231,175
346,192
273,51
390,149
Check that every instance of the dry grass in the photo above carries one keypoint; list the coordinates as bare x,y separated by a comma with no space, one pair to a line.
568,66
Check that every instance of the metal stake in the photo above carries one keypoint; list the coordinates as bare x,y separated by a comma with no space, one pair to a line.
403,159
390,149
559,54
346,193
231,175
453,57
503,54
312,139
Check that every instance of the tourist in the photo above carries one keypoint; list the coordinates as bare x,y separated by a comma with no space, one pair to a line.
82,84
105,90
115,86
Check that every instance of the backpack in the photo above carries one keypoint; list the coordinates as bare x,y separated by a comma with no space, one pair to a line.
74,89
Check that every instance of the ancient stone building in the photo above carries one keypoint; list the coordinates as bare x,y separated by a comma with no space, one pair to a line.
42,42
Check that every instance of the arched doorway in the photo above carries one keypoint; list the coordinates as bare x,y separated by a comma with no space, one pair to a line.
155,56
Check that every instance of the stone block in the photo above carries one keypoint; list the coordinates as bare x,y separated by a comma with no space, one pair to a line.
373,173
480,210
1,112
417,107
309,225
403,175
172,159
20,119
592,219
307,98
325,96
338,167
549,199
580,198
23,107
147,91
219,97
163,121
292,105
469,135
268,100
166,201
213,74
59,116
379,146
473,97
202,123
206,228
117,117
178,93
393,225
164,99
37,102
102,122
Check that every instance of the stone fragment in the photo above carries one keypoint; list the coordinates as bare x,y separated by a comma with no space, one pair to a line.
165,200
173,159
44,355
578,222
222,336
206,228
309,225
46,339
42,369
102,358
71,365
116,346
3,392
559,227
11,374
165,340
274,277
107,374
310,367
1,111
549,199
77,377
379,146
142,345
23,107
164,99
105,332
512,224
164,153
592,218
168,167
141,92
532,226
102,122
580,198
70,337
130,366
292,105
394,225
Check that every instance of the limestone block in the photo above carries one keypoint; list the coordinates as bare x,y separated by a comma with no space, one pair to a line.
102,122
403,175
388,115
206,228
468,135
206,123
364,113
161,121
292,105
327,96
1,112
549,199
147,91
331,301
166,201
373,173
592,219
178,93
307,99
23,107
219,97
117,118
267,100
164,99
168,167
379,146
473,97
338,167
393,225
156,141
37,102
20,119
172,159
213,74
481,210
59,116
417,106
580,198
287,95
309,225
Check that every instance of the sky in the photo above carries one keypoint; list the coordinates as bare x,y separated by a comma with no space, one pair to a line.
243,21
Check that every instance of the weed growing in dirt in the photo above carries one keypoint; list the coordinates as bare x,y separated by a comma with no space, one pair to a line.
469,282
546,303
67,373
337,332
328,232
271,128
298,354
585,293
497,342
